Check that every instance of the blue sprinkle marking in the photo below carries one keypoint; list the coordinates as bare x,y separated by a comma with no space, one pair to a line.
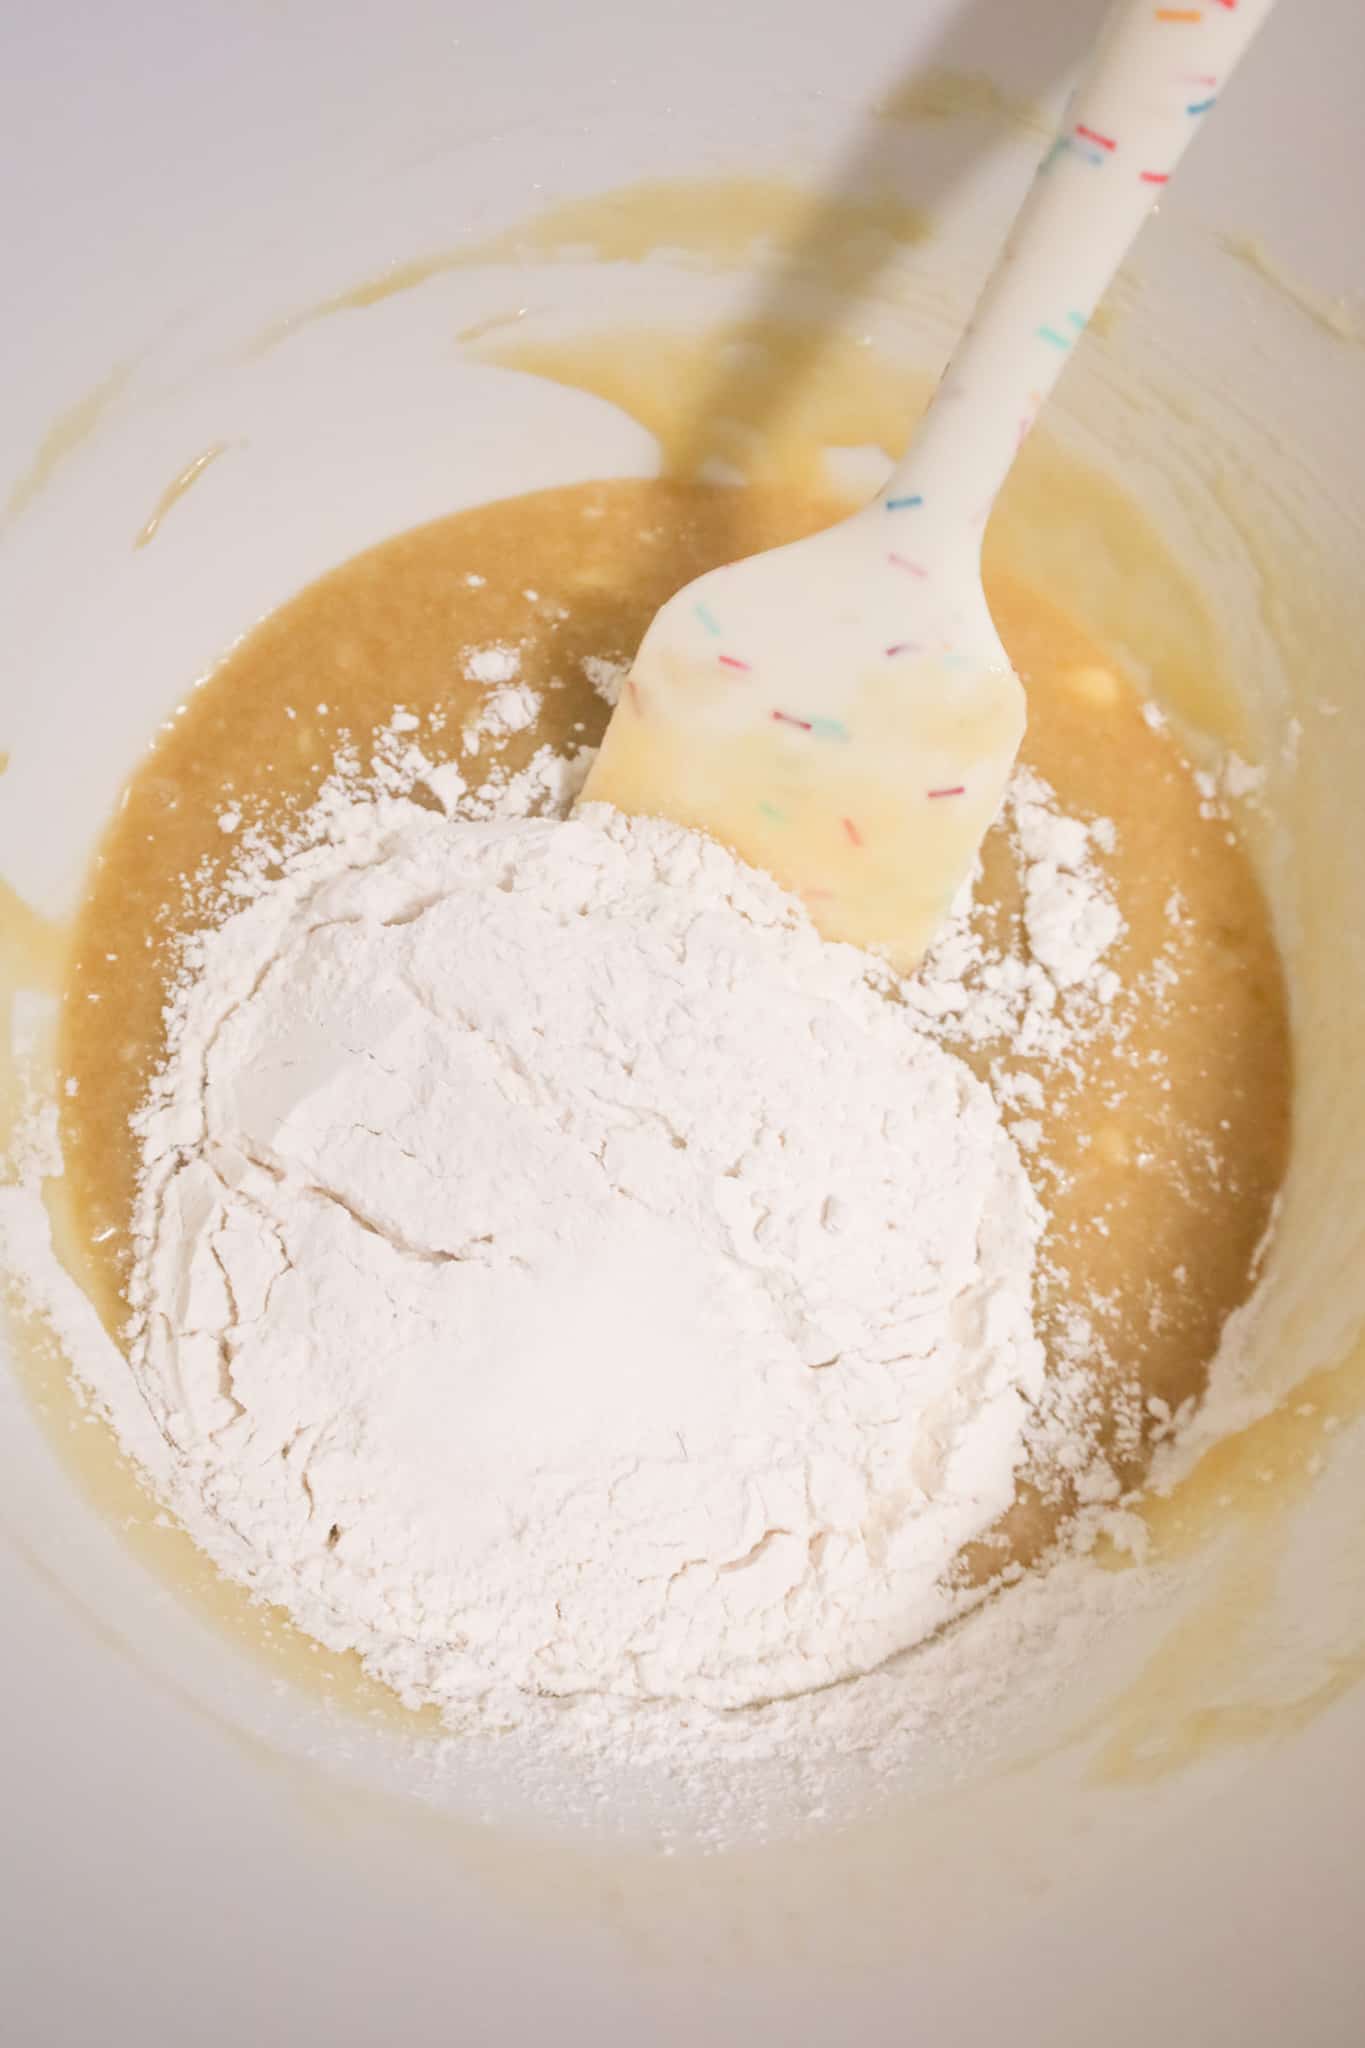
829,729
707,619
903,504
771,811
1051,334
1077,146
1201,106
1077,320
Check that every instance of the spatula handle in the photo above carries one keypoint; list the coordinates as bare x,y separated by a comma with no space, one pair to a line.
1153,78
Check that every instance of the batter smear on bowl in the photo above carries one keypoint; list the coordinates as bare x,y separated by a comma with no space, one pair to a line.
553,1270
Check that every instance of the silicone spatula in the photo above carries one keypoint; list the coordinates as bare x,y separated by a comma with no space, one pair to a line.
841,711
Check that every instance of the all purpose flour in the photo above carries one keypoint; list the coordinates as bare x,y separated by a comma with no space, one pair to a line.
560,1273
289,1467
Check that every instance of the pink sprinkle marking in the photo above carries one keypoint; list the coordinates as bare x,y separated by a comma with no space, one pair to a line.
855,836
786,718
906,647
634,689
1155,177
958,789
1092,135
732,661
915,568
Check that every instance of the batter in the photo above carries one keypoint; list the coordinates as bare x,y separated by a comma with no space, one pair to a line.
1157,1153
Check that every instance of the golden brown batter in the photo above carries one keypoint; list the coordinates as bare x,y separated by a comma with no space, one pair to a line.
1159,1156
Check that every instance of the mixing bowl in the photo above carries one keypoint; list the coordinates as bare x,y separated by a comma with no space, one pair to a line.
279,280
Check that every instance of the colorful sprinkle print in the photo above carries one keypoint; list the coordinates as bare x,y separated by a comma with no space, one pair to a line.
707,619
818,728
911,568
851,832
733,661
904,504
1077,322
958,789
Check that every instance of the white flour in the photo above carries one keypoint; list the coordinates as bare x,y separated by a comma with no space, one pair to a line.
509,709
559,1270
497,663
610,1580
1049,996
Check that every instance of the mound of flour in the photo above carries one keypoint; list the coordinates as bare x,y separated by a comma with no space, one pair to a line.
559,1273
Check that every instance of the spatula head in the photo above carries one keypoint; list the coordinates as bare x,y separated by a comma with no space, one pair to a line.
841,716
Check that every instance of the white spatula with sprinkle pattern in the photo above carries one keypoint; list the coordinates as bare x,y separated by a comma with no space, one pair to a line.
841,711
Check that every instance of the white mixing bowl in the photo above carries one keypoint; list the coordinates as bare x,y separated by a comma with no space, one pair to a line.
201,1850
